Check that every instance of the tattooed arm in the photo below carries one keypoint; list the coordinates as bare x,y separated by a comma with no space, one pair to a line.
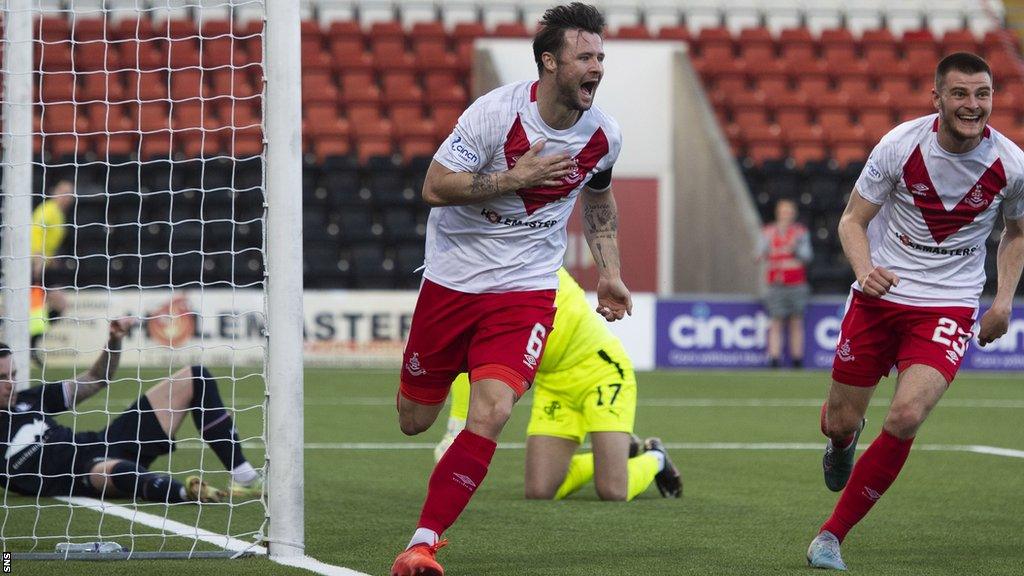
601,228
96,378
444,187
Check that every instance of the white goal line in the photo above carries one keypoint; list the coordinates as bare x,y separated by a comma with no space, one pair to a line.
687,402
972,448
222,540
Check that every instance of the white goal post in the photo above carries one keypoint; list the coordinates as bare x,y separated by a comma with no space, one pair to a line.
215,180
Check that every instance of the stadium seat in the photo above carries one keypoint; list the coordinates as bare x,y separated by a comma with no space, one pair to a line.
95,55
140,55
373,269
390,54
444,88
349,53
401,87
357,87
57,87
319,88
100,87
632,32
145,86
511,30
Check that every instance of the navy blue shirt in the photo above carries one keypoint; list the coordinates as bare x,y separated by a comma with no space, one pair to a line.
37,452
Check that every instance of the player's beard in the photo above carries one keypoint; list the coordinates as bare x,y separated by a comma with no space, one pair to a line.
964,131
569,94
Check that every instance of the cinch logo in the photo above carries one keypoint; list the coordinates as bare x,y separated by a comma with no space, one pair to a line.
467,154
826,330
702,330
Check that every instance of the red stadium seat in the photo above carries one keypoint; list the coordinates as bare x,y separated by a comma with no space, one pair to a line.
140,28
444,88
390,54
219,52
876,123
920,49
847,153
142,55
331,147
959,41
756,44
373,147
678,33
511,30
428,31
101,87
445,116
432,56
633,32
58,87
53,57
309,31
52,28
772,83
463,36
181,53
715,44
232,82
401,87
1004,117
417,148
65,119
814,84
95,55
344,29
391,29
145,85
318,86
243,142
188,83
349,53
314,57
358,87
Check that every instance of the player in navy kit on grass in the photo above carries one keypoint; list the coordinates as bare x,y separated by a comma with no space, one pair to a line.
931,192
41,457
502,187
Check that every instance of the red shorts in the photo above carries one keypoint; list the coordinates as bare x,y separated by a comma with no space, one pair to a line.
877,334
498,336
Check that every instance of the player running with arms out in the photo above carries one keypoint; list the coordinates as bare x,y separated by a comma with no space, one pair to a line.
502,187
931,191
41,457
585,385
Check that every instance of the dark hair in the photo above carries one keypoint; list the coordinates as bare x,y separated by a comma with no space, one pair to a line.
5,350
961,62
554,23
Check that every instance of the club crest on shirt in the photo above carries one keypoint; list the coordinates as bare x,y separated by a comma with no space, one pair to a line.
413,366
573,176
976,197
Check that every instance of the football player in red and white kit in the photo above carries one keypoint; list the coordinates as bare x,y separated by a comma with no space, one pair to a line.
931,191
502,187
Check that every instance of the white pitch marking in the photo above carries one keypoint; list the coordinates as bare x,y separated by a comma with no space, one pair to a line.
221,540
973,448
165,524
314,565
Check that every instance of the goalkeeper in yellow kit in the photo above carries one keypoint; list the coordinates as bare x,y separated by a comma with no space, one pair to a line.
585,385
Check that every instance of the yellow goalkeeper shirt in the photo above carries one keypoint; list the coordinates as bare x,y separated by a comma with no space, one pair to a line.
47,229
579,331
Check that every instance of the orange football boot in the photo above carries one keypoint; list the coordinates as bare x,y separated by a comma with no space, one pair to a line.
419,561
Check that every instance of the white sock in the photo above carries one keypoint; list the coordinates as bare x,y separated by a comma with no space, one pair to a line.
660,456
423,536
184,494
244,473
456,425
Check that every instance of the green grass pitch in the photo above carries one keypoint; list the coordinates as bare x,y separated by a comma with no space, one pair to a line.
744,511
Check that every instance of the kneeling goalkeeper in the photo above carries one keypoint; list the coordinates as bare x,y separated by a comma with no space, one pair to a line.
44,458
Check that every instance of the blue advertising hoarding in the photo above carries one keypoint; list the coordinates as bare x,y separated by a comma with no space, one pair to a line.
696,333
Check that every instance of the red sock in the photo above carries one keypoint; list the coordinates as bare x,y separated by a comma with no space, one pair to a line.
837,444
456,477
874,472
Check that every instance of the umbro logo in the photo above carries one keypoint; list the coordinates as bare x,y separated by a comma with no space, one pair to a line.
920,189
952,356
466,481
872,495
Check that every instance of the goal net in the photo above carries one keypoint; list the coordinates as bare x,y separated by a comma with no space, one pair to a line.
137,188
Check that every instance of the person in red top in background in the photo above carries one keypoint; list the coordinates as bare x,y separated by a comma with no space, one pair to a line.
786,250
